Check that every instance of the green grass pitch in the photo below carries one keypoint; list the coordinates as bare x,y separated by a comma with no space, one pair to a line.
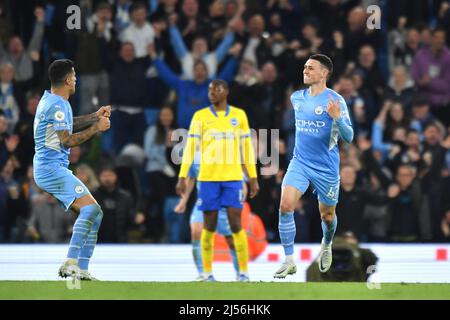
219,291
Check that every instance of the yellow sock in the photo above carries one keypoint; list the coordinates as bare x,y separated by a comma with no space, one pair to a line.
241,246
207,242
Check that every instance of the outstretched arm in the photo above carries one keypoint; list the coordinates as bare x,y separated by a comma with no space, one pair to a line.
224,46
177,42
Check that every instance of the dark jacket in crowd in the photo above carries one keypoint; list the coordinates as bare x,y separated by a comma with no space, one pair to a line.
118,212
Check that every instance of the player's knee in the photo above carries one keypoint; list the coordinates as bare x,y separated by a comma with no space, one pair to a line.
287,206
196,235
327,216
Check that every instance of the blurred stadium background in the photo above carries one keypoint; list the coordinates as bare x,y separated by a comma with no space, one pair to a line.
139,57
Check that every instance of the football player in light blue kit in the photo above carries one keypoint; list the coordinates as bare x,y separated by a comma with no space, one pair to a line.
54,135
196,223
321,118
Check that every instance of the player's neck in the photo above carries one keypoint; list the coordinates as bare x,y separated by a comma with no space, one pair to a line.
220,106
317,88
62,92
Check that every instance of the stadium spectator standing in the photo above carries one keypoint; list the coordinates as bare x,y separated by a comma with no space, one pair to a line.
431,73
93,50
193,94
118,207
161,176
23,58
49,223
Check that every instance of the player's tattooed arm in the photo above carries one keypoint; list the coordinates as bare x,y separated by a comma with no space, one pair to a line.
71,140
82,122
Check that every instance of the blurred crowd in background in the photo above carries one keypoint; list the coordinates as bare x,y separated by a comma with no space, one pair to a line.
153,60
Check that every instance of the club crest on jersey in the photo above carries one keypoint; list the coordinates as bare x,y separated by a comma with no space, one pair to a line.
318,110
234,122
59,115
79,189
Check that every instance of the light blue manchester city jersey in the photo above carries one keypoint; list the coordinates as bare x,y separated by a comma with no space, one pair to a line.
53,114
317,133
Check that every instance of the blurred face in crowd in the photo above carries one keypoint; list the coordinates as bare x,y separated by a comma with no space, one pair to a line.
405,176
32,103
217,8
432,135
216,92
425,36
346,86
6,73
256,25
420,111
104,13
413,38
166,117
108,179
190,8
15,46
269,72
399,134
309,31
3,124
246,68
348,176
314,72
199,47
127,52
230,9
200,72
170,3
399,76
413,139
357,80
367,56
139,16
397,113
438,41
8,170
356,19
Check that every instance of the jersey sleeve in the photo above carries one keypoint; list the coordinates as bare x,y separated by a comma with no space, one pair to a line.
248,152
343,123
59,117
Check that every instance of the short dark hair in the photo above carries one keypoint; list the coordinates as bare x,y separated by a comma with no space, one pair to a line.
58,71
220,82
136,6
325,61
438,29
419,101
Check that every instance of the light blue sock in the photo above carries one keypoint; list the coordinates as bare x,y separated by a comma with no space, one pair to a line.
234,258
328,230
286,228
88,248
197,255
81,229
